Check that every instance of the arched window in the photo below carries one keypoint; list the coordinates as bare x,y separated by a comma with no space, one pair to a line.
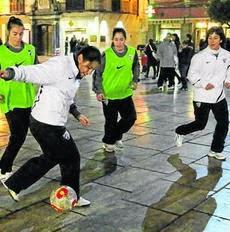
17,6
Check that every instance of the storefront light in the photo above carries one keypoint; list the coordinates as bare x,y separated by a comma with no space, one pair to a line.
92,28
120,24
103,28
150,11
201,25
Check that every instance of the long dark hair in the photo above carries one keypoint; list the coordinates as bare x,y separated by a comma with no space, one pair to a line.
14,21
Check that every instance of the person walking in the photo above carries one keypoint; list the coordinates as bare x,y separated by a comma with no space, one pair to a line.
150,51
73,43
176,41
167,54
55,99
184,56
209,72
16,98
114,84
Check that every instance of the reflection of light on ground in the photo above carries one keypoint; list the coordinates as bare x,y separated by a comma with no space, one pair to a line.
4,131
222,210
190,110
142,116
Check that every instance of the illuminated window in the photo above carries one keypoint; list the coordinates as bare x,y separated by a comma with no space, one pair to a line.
17,6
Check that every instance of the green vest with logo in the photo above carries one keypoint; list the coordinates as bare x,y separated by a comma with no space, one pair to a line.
118,75
16,94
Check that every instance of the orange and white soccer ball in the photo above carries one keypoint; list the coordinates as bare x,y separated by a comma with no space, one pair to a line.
63,198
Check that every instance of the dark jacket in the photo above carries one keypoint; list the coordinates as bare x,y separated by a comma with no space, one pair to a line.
185,55
148,51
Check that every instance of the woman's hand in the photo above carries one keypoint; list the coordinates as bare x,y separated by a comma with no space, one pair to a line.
134,86
100,97
3,74
83,120
209,86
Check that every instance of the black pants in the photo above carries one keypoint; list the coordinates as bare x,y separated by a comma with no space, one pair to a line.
183,72
58,148
18,121
201,111
166,73
151,63
114,129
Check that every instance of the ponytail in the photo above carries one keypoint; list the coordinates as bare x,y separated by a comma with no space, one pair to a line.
14,21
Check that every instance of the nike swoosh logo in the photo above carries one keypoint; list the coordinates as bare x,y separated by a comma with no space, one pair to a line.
119,67
17,65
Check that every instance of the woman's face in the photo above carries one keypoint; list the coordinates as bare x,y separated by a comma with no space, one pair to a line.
86,67
15,35
214,41
119,42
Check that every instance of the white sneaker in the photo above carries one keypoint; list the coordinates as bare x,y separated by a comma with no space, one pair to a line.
171,87
119,144
161,88
4,177
178,140
82,202
216,155
109,147
13,194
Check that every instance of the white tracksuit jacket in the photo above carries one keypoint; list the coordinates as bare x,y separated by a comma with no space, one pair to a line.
206,68
57,78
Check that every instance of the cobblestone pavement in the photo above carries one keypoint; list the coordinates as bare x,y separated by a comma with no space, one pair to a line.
151,185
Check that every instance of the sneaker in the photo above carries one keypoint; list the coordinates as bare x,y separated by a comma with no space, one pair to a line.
119,144
12,194
82,202
184,88
216,155
109,147
178,140
4,177
170,87
161,88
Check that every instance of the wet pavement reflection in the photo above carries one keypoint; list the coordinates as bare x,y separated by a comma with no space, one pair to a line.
4,131
150,185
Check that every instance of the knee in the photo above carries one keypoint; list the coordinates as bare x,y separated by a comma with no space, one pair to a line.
131,120
17,138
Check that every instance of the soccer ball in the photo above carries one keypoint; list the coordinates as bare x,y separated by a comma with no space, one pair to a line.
63,198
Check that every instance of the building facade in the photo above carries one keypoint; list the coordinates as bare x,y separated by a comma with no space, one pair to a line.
49,22
181,17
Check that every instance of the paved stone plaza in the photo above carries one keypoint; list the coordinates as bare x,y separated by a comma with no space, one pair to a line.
151,185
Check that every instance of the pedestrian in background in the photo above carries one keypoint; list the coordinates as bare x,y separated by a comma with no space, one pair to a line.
16,98
114,84
209,73
190,42
184,56
176,41
167,53
66,45
150,51
73,44
55,99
